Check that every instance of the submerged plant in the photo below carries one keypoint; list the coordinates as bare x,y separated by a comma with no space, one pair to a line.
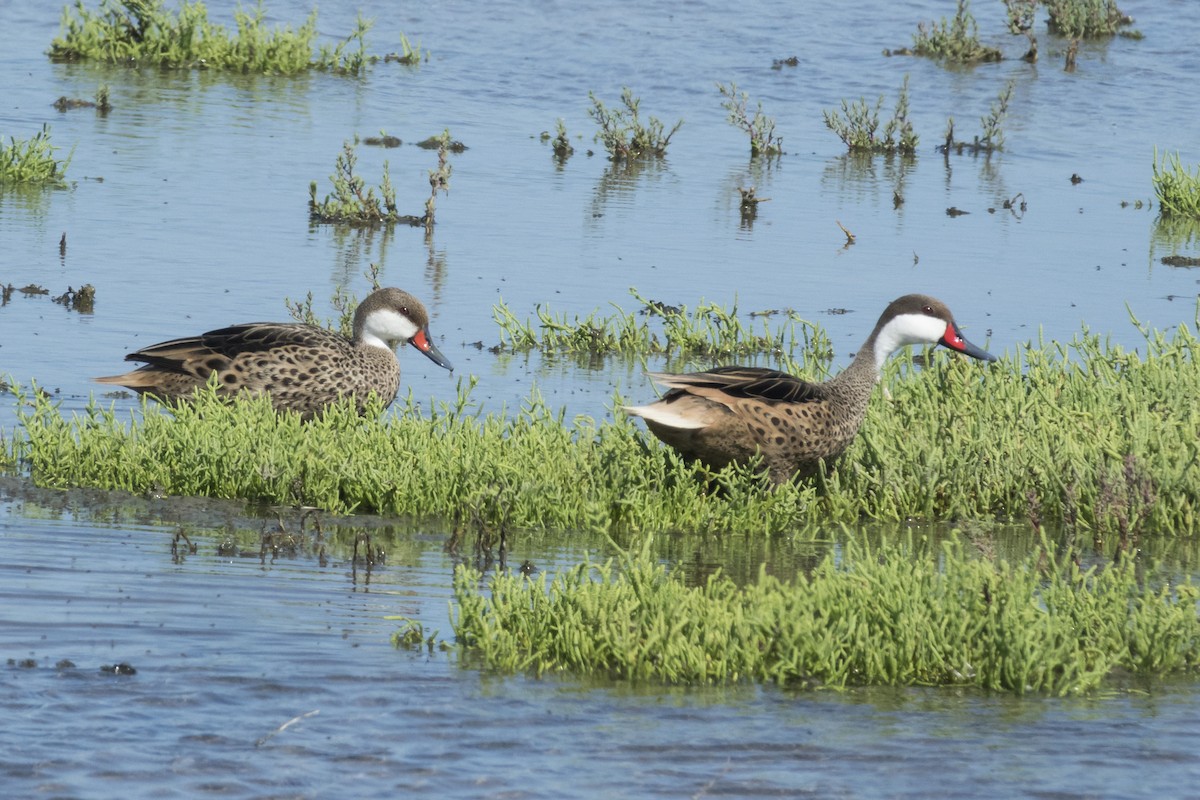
147,32
439,178
1085,19
1020,14
1177,189
993,134
622,132
352,202
759,127
561,144
955,40
710,331
31,161
858,123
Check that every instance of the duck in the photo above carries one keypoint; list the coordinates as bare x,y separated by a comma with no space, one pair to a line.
303,368
734,414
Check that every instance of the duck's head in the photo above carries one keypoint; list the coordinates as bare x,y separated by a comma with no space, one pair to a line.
920,319
390,316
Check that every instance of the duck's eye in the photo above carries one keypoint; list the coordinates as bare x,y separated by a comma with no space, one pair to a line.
404,310
928,310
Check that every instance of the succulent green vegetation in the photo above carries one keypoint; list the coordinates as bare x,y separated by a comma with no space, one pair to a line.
561,143
408,55
1177,189
1108,449
31,161
759,127
146,32
710,331
1085,19
101,103
353,203
903,615
955,40
1020,14
857,126
622,132
993,133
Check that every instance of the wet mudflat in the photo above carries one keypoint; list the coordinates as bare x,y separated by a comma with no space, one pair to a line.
187,212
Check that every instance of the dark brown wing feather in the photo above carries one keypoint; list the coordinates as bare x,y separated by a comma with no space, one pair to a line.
225,344
753,383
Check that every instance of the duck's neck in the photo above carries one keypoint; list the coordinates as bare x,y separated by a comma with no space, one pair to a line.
854,384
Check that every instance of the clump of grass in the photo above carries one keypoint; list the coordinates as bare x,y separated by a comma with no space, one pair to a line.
711,331
561,143
1020,14
439,178
1085,19
993,132
896,616
759,127
409,56
936,446
384,139
955,40
146,32
857,126
101,103
1177,189
352,202
31,162
622,132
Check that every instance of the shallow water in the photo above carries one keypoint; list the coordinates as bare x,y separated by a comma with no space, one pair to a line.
188,211
230,648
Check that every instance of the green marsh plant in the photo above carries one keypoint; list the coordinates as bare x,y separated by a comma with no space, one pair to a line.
899,616
993,132
935,446
146,32
561,143
1177,189
623,133
1020,14
32,162
710,331
758,126
1085,19
354,203
956,41
858,126
408,55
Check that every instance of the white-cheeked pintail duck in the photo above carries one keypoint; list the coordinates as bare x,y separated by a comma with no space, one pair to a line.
731,414
302,367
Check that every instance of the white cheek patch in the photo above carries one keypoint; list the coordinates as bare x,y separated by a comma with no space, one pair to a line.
386,328
904,330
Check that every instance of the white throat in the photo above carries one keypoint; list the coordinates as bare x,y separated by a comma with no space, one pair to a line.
387,329
903,330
